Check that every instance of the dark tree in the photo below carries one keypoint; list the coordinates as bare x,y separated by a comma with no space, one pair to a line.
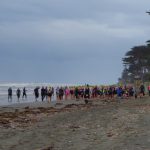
137,63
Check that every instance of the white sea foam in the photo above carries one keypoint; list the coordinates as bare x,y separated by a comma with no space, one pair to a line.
29,86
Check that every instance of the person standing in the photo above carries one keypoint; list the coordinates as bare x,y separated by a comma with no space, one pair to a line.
43,93
18,93
67,93
52,91
61,93
46,92
57,93
72,93
119,93
76,93
36,93
148,90
24,93
10,94
87,93
49,94
142,91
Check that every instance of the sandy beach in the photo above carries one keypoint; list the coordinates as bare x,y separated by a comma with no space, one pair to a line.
72,125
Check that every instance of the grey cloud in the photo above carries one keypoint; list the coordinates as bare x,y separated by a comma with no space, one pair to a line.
83,41
68,9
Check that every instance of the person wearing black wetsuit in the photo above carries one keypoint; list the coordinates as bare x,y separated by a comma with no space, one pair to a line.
24,94
18,93
36,93
87,93
10,94
43,93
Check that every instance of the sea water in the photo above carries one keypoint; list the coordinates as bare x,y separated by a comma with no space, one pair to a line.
30,92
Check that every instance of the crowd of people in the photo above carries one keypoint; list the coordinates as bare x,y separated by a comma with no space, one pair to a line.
82,92
95,92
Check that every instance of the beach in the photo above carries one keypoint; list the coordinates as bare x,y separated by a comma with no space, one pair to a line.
72,125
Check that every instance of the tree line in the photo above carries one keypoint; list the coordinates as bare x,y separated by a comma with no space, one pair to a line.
136,64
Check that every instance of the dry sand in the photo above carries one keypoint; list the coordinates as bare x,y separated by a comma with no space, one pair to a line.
72,125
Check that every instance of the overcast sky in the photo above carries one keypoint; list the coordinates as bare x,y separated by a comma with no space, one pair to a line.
69,41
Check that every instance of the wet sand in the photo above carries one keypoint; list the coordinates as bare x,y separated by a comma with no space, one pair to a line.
72,125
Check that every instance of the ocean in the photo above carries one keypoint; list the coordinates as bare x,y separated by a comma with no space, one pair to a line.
30,92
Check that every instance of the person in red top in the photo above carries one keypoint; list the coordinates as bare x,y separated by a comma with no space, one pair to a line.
148,90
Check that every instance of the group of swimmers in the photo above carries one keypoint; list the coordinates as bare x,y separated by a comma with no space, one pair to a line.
81,92
18,93
45,93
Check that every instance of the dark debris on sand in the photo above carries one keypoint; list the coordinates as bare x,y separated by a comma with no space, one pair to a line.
28,116
48,148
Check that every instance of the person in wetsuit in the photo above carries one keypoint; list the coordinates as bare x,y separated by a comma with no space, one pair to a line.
43,93
18,93
36,93
24,94
10,94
